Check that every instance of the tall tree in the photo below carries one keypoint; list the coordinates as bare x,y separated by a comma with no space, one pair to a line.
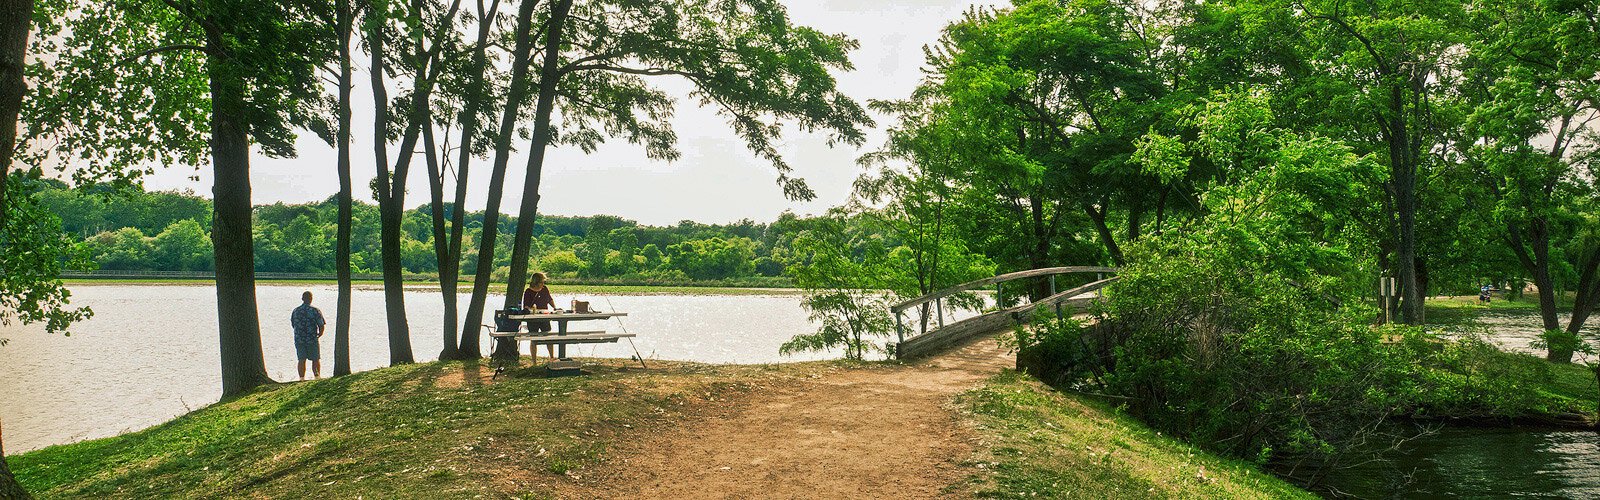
516,95
742,56
1532,78
1397,61
419,46
447,239
132,84
340,24
15,17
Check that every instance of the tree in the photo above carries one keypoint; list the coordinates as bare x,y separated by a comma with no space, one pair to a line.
846,287
142,82
474,101
742,56
419,46
516,95
1025,125
340,24
30,286
1531,77
184,245
1394,60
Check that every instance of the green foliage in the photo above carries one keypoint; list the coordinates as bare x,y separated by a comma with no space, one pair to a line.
35,251
714,258
846,290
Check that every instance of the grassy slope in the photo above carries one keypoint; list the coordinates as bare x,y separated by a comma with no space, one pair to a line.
438,430
1042,443
417,431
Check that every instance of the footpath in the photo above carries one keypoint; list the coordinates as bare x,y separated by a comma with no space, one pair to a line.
872,432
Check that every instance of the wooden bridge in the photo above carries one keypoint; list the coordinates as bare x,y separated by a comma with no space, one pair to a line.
923,341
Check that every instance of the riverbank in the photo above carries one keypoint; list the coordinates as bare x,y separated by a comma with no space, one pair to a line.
448,430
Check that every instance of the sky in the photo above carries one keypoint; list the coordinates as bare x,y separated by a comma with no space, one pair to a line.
716,181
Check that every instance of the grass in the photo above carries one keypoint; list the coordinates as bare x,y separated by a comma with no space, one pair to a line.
417,431
466,286
1043,443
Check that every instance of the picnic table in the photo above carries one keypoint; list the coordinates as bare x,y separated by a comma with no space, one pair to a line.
561,337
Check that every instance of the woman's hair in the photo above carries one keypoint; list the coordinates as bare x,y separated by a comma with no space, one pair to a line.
536,279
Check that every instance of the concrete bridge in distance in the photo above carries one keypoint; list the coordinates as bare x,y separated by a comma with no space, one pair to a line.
923,342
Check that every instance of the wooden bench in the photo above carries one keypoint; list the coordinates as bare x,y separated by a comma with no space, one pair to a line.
540,338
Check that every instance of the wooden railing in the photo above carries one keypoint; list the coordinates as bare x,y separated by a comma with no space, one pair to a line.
930,340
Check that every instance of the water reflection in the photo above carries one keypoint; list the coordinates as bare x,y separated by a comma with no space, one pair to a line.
1482,463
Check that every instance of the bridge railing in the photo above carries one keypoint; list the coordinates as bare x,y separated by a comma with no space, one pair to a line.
1057,299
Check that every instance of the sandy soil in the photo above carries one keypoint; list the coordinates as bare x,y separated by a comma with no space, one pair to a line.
871,432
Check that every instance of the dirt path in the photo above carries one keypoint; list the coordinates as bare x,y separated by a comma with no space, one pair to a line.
857,433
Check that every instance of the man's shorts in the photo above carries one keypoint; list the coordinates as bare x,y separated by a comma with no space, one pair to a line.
307,348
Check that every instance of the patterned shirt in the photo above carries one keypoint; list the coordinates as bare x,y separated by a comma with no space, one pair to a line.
306,320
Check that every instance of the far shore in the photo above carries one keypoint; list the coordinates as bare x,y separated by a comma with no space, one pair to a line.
465,286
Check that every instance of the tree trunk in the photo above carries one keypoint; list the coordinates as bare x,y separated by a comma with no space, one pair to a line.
497,179
441,247
1403,171
15,16
549,77
341,329
9,488
389,207
239,328
450,261
1536,261
1104,231
1588,298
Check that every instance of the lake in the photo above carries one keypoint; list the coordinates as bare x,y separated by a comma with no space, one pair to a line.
151,351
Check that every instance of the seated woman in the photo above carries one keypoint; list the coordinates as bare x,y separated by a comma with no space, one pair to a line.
537,298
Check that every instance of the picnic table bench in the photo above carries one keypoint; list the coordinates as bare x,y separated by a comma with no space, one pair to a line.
561,337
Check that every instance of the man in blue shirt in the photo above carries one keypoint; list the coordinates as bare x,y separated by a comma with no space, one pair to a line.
308,327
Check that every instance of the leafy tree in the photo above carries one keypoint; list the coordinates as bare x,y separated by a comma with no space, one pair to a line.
125,249
846,291
130,84
183,245
742,56
1531,79
715,258
1391,62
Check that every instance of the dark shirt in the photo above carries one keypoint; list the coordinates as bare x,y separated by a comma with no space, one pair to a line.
306,320
538,299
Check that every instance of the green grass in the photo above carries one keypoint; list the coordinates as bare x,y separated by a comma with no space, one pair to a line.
1043,443
418,431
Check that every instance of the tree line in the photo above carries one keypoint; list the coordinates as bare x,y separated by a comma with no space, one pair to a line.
170,231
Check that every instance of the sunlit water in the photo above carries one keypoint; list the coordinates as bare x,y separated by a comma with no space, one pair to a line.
151,351
1519,331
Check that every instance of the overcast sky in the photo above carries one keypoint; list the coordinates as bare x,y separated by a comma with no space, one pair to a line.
717,179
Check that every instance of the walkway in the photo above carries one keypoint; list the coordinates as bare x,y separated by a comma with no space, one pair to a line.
872,432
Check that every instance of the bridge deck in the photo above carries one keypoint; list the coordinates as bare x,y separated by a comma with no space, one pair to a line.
934,341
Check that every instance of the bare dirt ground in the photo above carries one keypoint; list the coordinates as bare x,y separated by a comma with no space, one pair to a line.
878,431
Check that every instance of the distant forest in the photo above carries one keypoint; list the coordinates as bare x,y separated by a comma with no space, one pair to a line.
170,231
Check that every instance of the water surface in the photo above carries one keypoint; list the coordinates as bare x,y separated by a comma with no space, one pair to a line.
151,351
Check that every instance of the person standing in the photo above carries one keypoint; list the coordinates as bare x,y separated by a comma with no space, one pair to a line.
308,327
